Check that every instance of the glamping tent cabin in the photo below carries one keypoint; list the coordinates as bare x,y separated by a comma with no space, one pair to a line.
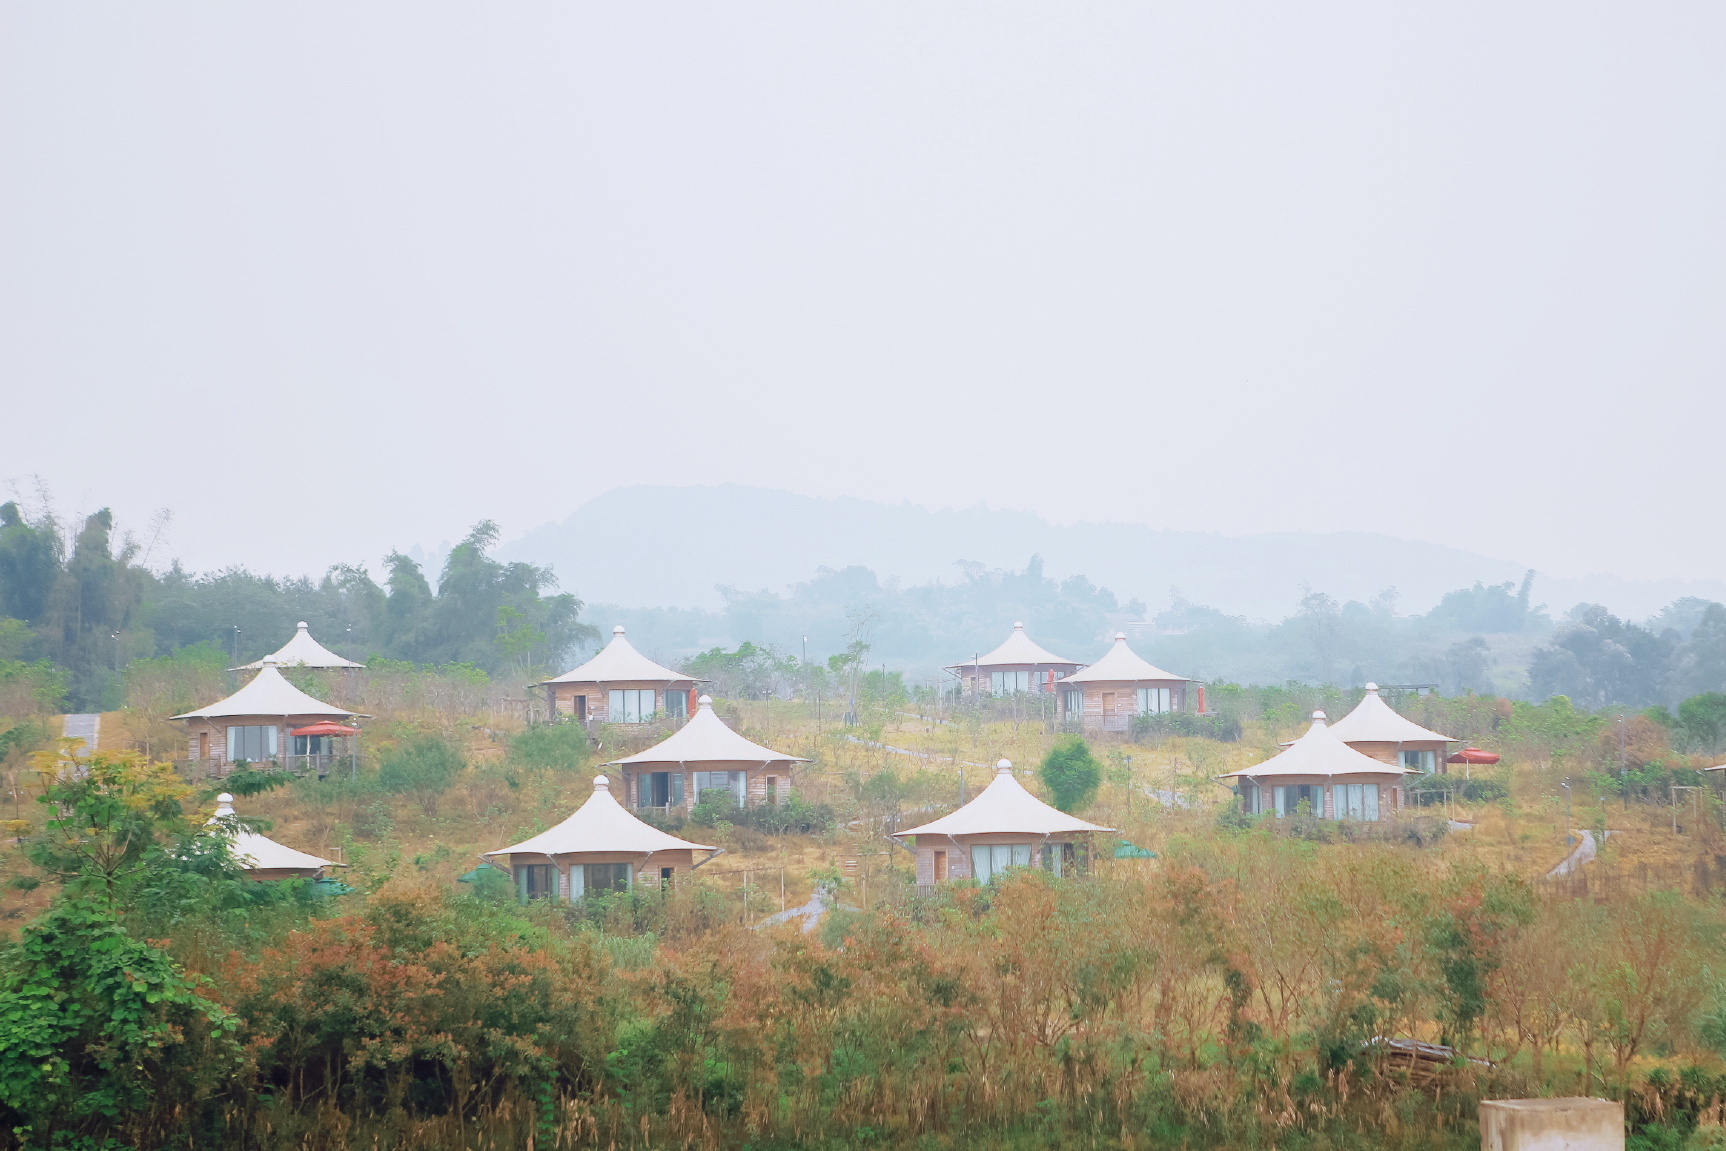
258,723
302,651
619,685
704,755
1018,665
1005,826
1374,729
1333,779
262,856
1120,685
601,848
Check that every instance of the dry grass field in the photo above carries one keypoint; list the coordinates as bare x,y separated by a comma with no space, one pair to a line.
929,761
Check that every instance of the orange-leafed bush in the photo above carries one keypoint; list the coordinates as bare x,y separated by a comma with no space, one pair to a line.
404,1008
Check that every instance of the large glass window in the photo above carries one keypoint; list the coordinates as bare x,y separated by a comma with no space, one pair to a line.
677,704
660,789
1060,858
631,706
536,881
1356,800
1074,703
1288,799
1154,701
1008,682
252,744
733,781
1422,761
604,878
991,859
314,745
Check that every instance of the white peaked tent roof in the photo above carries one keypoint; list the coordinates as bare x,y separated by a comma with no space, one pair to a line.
705,739
303,651
259,852
600,824
618,660
268,694
1121,663
1320,752
1004,806
1373,721
1018,649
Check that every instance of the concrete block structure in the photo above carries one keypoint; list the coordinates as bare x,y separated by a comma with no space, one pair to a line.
1570,1124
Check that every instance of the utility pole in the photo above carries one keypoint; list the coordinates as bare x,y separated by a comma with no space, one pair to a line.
1568,838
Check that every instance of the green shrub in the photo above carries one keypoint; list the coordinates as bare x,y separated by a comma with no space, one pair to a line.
1071,772
1480,789
1225,728
555,745
490,884
794,816
421,767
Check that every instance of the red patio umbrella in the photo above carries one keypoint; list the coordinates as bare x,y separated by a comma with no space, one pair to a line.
330,727
1473,755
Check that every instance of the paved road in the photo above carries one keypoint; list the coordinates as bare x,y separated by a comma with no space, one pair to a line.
85,727
1584,853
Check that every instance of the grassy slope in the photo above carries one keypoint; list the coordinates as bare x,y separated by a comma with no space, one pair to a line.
492,805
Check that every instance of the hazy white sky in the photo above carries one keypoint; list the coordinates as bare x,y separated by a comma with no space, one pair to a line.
327,279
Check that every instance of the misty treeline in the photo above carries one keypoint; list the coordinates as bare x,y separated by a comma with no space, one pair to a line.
74,615
1235,993
1486,638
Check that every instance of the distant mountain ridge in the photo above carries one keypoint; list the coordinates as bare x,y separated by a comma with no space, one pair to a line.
662,546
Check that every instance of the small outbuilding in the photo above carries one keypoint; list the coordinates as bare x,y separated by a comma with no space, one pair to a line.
1332,780
620,685
1108,694
302,651
254,724
598,850
705,755
1376,729
264,858
1005,826
1018,666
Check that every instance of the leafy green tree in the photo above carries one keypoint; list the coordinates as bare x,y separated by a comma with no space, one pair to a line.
30,558
750,672
1598,659
101,1034
1492,609
1700,665
1070,772
104,1040
1702,719
404,626
111,810
182,609
487,613
421,767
